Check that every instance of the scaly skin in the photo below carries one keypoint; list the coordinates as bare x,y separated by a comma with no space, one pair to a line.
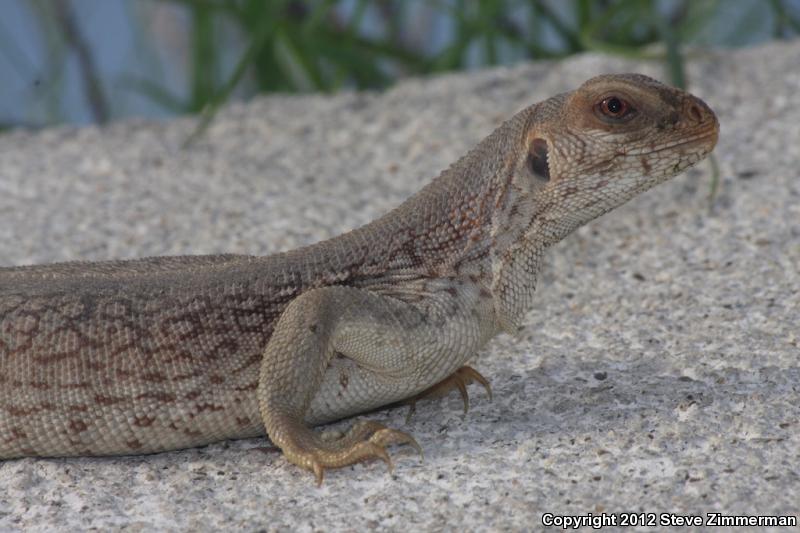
156,354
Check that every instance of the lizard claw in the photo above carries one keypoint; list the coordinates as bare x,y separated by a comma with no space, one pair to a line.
381,453
467,375
386,437
458,380
319,472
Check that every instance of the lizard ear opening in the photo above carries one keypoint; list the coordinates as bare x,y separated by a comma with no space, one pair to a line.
537,160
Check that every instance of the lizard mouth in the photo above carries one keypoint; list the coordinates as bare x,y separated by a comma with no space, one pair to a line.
708,139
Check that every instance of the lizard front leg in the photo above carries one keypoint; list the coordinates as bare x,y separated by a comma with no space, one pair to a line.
337,351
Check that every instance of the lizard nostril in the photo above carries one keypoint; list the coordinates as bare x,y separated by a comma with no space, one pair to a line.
696,113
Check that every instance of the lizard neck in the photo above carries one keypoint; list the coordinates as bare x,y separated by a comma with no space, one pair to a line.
516,251
446,229
481,227
472,221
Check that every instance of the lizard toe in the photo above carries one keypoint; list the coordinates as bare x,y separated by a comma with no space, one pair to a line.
386,437
457,380
366,440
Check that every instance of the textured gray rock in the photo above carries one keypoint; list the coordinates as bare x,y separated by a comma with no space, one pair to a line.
659,371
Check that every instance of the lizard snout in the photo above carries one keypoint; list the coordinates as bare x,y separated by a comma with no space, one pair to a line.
697,114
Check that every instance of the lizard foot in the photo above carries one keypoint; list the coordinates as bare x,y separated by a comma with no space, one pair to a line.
364,441
458,380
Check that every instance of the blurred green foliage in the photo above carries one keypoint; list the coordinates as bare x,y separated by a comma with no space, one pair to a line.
324,45
253,46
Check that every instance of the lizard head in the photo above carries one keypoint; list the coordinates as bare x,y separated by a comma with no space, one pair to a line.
615,136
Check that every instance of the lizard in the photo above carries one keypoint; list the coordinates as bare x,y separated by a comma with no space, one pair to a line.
156,354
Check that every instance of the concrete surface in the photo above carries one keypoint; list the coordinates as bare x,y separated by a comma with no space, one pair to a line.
659,371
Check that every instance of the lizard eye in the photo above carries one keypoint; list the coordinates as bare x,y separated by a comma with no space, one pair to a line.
614,107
